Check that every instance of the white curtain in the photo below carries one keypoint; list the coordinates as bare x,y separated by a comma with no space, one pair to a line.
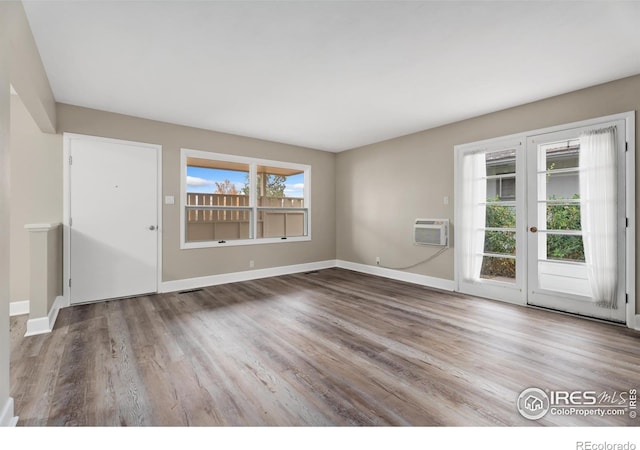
474,197
598,211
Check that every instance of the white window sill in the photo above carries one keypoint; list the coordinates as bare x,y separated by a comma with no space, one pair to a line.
238,242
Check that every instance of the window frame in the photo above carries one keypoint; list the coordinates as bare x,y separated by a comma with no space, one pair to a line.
253,164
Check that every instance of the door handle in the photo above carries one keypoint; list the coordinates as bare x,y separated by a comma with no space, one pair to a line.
533,229
152,227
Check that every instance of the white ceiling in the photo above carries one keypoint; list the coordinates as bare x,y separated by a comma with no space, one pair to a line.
330,75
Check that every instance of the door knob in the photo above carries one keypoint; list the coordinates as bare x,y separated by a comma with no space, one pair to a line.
533,229
152,227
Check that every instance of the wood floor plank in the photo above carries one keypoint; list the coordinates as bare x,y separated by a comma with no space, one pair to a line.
332,347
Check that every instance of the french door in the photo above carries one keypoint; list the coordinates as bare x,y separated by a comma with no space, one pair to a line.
521,206
558,267
490,218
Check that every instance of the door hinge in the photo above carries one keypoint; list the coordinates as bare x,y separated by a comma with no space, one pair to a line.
69,282
70,160
70,222
626,298
626,146
627,222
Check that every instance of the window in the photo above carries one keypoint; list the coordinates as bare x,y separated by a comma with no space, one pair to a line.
232,200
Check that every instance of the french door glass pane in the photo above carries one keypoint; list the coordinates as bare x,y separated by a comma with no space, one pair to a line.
563,216
561,155
565,247
500,216
498,269
501,162
500,242
501,175
560,186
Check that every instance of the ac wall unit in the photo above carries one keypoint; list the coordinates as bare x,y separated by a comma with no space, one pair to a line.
431,232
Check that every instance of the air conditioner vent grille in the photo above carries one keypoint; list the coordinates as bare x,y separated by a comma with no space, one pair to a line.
431,232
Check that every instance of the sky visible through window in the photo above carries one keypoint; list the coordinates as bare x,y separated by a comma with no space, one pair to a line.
202,180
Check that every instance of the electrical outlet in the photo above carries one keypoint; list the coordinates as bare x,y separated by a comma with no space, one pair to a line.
377,260
251,263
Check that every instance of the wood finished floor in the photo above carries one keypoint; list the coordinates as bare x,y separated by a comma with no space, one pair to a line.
328,348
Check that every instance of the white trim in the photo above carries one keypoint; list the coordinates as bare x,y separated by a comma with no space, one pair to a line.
634,322
233,277
423,280
40,227
19,308
43,325
66,197
488,144
160,224
66,232
7,419
240,242
212,280
37,326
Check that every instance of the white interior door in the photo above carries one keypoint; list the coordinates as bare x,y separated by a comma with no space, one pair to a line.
557,269
113,206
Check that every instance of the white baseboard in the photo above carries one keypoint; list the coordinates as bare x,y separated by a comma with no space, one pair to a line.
7,419
636,325
424,280
19,308
42,325
234,277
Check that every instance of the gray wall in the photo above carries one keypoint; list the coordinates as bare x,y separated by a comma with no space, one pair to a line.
382,187
21,65
181,264
36,193
4,211
36,189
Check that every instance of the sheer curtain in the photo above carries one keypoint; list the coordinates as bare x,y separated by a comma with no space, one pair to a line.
598,205
474,197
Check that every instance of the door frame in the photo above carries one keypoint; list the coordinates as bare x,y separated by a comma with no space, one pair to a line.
632,320
66,205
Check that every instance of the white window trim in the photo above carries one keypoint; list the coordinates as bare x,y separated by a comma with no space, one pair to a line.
253,163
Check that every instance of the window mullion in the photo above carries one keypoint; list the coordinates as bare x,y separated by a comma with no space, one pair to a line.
253,200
